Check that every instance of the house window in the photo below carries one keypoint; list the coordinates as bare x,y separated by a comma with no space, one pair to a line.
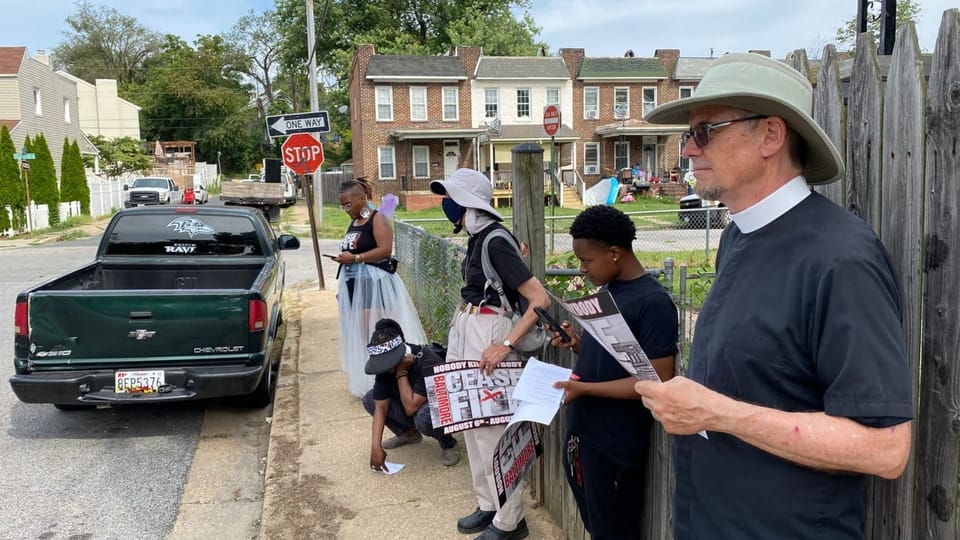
591,102
591,158
553,96
66,110
621,102
621,155
37,102
686,91
385,103
523,103
491,102
418,103
388,168
649,99
421,162
451,103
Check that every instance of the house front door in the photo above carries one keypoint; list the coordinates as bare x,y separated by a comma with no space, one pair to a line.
451,157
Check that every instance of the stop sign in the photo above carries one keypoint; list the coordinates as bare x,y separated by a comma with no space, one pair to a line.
302,153
551,120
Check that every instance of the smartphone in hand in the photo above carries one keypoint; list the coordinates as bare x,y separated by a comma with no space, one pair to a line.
552,323
329,256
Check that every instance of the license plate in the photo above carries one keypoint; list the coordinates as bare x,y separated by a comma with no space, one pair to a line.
138,381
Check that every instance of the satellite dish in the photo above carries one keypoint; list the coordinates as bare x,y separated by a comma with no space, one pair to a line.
495,127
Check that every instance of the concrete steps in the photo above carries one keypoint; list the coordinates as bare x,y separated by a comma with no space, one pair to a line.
571,199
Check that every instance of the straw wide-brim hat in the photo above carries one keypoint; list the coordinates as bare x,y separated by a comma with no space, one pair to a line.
759,84
469,189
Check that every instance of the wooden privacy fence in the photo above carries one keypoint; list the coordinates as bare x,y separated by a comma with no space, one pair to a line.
897,119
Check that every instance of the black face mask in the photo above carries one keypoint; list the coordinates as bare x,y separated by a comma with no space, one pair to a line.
454,213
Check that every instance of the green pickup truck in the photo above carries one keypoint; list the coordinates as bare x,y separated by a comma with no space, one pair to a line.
180,303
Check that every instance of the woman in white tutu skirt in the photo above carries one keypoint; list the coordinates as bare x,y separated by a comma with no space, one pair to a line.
367,292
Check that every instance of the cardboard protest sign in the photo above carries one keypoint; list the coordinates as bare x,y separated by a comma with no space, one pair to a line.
461,397
599,316
517,451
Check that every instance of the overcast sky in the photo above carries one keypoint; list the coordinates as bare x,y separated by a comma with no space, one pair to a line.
601,27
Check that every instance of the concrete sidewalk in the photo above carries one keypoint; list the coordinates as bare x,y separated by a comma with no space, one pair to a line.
318,483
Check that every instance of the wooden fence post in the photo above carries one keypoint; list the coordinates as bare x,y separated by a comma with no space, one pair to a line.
938,440
528,216
890,512
828,112
864,125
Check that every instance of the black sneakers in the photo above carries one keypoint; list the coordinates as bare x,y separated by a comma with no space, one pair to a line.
493,533
477,521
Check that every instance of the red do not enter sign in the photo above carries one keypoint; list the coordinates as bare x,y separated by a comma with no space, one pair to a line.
302,153
551,120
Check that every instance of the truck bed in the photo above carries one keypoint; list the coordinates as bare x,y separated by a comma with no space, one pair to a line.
119,276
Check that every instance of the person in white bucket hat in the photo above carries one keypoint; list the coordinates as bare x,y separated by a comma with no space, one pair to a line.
798,372
480,331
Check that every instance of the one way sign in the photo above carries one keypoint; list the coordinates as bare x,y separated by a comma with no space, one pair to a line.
282,125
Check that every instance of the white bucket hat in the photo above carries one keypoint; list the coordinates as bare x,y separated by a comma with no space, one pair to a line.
759,84
469,189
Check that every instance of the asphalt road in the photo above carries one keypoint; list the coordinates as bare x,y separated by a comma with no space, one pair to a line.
101,473
111,473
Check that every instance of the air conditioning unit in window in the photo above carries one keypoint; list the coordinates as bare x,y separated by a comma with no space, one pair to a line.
593,115
591,169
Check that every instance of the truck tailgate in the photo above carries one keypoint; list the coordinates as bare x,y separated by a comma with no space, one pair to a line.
137,328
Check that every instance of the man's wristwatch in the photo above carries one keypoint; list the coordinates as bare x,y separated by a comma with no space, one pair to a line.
508,344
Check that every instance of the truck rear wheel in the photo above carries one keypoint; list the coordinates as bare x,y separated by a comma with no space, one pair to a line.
262,395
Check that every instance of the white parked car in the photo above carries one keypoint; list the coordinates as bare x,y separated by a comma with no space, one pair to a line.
200,194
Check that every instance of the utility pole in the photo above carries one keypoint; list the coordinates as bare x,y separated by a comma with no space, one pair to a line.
315,190
314,99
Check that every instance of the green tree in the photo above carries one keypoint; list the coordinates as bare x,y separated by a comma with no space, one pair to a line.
256,37
73,179
200,95
119,156
907,11
102,43
11,185
43,178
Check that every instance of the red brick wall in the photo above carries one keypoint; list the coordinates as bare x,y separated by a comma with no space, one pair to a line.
361,100
419,201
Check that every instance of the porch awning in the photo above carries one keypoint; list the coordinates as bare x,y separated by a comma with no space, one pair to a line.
635,128
452,133
531,133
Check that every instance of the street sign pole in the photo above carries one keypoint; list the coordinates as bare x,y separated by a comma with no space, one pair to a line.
24,158
551,124
26,186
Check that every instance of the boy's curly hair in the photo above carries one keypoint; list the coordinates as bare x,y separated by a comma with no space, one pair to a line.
605,224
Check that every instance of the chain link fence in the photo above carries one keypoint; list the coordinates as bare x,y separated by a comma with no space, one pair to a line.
681,258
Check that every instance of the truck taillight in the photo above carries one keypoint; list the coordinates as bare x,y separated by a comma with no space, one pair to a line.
20,319
258,315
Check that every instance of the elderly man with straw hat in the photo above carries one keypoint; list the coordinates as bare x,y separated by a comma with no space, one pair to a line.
798,374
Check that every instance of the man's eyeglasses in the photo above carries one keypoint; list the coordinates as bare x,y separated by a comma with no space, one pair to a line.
701,132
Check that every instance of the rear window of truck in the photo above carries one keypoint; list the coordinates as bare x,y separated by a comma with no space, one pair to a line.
186,235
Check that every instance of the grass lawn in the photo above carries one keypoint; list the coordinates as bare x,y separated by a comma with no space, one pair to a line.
336,221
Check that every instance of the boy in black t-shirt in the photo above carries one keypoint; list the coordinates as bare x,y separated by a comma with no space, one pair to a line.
398,399
608,428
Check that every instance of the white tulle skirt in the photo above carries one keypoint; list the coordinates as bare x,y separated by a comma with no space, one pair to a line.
365,295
